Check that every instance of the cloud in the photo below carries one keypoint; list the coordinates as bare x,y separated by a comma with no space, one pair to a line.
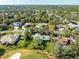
14,1
52,2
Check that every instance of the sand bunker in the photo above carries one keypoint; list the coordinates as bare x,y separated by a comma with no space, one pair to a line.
15,56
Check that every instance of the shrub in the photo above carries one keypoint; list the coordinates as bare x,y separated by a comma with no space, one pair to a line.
68,52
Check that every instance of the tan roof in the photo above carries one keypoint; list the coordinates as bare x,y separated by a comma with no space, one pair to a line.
61,40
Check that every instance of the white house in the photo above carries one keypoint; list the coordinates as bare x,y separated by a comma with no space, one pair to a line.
41,37
73,25
26,25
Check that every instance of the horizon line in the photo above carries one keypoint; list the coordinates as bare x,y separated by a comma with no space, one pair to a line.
42,4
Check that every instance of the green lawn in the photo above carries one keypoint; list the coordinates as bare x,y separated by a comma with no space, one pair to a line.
34,56
26,54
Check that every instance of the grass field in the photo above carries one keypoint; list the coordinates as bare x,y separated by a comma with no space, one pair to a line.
25,54
33,56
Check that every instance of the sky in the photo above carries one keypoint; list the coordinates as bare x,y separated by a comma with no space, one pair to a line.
39,2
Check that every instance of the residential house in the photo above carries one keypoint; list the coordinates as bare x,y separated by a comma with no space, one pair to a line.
41,37
60,28
26,25
74,24
3,26
16,25
63,40
41,27
38,25
9,39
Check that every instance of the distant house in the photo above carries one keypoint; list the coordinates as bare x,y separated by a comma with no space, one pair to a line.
38,25
26,25
60,28
65,21
63,40
77,28
70,40
9,39
3,26
41,37
73,24
16,25
74,13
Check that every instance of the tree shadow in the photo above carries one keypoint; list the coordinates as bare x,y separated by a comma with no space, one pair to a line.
2,52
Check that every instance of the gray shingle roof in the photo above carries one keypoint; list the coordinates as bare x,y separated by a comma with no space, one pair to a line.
11,39
27,24
17,24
